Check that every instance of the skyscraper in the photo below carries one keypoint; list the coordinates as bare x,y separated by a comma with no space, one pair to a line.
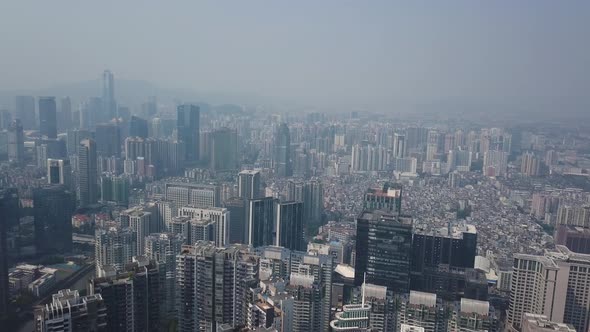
47,117
249,184
383,250
187,126
289,225
68,311
282,151
399,145
10,212
108,140
311,193
52,208
25,111
59,171
237,223
555,285
114,248
65,114
420,311
530,164
87,170
224,150
138,127
108,95
194,194
261,222
16,142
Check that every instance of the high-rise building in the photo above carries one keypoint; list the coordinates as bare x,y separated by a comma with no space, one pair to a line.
52,209
75,136
224,150
289,225
282,151
388,198
47,117
87,172
141,220
440,258
249,184
530,165
555,285
25,111
220,217
399,146
495,163
108,140
108,96
383,250
193,194
472,315
237,223
16,142
10,212
138,127
311,193
64,115
420,311
59,171
211,286
91,112
132,297
187,127
68,311
261,222
114,248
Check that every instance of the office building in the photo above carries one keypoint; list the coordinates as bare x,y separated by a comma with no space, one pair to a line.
224,150
289,225
388,198
399,146
440,258
211,286
237,229
108,140
10,212
91,112
193,194
109,110
555,285
47,117
25,111
75,136
16,142
87,172
132,297
59,171
187,127
282,151
138,127
52,209
261,222
70,312
383,250
64,116
114,248
249,184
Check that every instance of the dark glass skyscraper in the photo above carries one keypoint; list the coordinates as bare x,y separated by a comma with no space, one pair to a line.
289,225
282,151
187,127
249,184
237,219
224,152
52,208
9,214
47,117
25,111
138,127
16,142
383,250
261,226
108,140
87,170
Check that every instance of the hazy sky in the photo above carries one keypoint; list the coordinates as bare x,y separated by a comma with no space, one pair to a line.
362,52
